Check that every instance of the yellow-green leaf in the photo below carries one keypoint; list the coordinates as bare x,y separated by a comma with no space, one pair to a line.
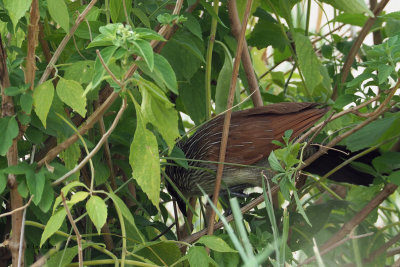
71,93
144,159
97,211
42,99
59,12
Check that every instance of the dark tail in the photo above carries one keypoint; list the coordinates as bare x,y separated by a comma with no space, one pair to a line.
348,174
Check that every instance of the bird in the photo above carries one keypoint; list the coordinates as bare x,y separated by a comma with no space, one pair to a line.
251,133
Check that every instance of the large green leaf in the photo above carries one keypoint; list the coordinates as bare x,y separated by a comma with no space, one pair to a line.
117,10
8,131
127,214
59,12
97,210
144,49
53,225
16,9
192,94
198,257
144,159
215,243
224,83
42,99
162,115
71,93
351,7
308,62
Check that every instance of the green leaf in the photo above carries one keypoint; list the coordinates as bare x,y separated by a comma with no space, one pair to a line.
42,99
215,243
108,34
193,25
99,70
71,93
383,72
127,214
273,161
309,63
65,256
394,177
148,34
78,197
144,49
13,91
59,12
16,9
80,71
352,7
198,257
144,159
162,115
194,99
53,225
117,10
211,11
141,16
3,181
372,133
97,210
162,74
8,131
40,181
223,82
26,101
47,199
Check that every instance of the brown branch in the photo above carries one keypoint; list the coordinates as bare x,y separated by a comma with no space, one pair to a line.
33,30
333,246
356,46
361,215
96,148
78,235
7,109
246,60
64,42
227,117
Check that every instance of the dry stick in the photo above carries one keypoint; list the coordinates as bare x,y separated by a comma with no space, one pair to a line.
246,60
356,46
101,110
96,148
64,42
192,238
333,246
227,118
78,235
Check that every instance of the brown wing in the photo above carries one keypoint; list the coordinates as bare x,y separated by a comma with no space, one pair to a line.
251,131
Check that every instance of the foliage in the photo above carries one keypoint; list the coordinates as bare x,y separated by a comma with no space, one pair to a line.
119,71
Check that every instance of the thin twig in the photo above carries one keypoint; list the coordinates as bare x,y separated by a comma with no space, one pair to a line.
356,46
78,235
333,246
227,117
18,209
64,42
97,147
120,84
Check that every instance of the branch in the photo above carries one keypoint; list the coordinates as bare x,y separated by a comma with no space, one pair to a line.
17,209
227,118
97,147
64,42
246,60
356,46
78,235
